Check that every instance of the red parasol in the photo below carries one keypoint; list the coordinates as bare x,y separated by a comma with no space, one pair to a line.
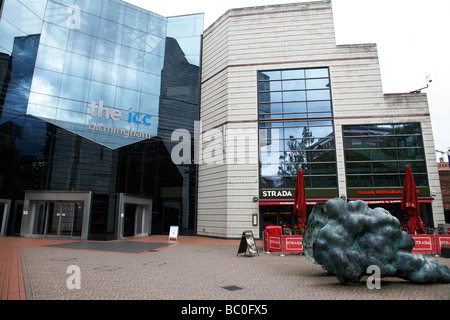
300,200
410,203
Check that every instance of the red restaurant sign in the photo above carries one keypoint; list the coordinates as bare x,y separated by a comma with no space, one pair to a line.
293,244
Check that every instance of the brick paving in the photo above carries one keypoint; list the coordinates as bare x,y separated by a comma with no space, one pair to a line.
192,268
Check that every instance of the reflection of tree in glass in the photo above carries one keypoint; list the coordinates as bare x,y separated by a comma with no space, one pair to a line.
296,158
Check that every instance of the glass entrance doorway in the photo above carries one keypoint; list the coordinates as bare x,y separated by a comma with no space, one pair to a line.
58,219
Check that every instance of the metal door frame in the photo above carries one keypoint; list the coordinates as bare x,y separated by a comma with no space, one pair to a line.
26,229
6,211
146,214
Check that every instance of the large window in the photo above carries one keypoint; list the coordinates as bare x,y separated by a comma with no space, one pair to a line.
296,128
377,155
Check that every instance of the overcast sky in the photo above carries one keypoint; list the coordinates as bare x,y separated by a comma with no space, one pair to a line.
412,37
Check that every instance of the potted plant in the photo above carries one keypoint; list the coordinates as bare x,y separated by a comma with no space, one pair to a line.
445,250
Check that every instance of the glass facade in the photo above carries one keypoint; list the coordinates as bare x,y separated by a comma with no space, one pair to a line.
296,129
90,91
377,155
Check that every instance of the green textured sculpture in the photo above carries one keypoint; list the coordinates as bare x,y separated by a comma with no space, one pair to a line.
346,238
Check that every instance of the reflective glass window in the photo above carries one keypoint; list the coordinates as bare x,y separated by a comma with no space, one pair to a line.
294,107
114,11
110,30
269,75
293,74
126,99
134,38
382,152
108,51
78,65
89,23
153,63
74,105
136,19
47,82
90,6
55,36
105,72
74,88
81,43
151,83
319,95
129,78
295,97
50,58
132,58
102,92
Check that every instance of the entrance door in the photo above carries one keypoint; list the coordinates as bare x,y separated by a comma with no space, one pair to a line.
58,219
61,219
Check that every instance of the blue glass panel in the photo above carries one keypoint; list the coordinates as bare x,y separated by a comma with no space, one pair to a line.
270,97
108,51
105,72
293,74
55,36
89,23
74,88
102,92
269,75
36,6
58,14
129,78
294,107
71,116
134,38
50,58
270,108
182,26
43,99
126,99
319,95
319,106
113,11
132,58
46,82
41,111
294,96
136,19
81,43
153,63
318,84
73,105
110,30
270,86
294,85
151,83
149,104
157,25
317,73
155,45
78,65
90,6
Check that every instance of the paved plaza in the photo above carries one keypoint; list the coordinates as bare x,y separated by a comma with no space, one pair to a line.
192,268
